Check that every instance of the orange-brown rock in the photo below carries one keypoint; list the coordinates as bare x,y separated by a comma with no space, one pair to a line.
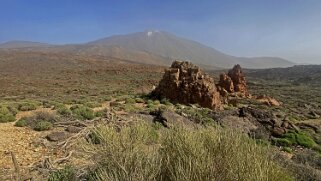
226,82
238,78
268,101
233,82
186,83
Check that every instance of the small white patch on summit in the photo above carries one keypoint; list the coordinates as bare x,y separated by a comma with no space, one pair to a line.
150,33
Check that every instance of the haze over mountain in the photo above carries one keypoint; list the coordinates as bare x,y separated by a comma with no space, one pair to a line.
155,47
22,44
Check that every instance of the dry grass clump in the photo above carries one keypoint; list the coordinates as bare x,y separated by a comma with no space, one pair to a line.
144,152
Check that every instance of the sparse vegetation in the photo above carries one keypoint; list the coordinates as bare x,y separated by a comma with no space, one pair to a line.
64,111
42,126
21,122
141,152
82,112
39,121
66,174
27,106
6,115
151,151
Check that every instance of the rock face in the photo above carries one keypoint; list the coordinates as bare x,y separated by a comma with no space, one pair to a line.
185,83
233,82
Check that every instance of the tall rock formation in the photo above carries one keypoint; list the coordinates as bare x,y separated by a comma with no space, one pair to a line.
233,82
185,83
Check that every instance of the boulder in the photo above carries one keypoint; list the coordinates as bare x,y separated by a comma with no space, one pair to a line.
186,83
57,136
73,129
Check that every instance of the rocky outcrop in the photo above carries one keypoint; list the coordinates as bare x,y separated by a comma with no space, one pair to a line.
225,85
185,83
233,82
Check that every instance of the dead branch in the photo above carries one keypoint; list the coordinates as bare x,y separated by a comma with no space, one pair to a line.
16,166
61,160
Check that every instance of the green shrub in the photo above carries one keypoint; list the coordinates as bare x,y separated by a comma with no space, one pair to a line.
299,138
39,121
92,104
43,126
82,112
139,100
165,101
64,111
58,105
107,98
47,104
287,149
282,142
27,106
66,174
102,113
304,140
198,115
130,101
141,152
12,110
21,123
6,115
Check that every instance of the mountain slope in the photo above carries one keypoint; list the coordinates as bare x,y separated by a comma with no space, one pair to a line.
152,47
173,47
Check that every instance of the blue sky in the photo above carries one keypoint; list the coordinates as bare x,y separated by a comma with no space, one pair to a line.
286,28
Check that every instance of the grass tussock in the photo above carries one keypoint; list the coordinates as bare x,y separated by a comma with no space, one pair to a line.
144,152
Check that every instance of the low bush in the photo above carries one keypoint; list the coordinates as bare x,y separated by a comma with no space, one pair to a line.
27,106
6,115
299,138
102,113
165,101
82,112
141,152
42,126
139,100
21,123
66,174
39,121
198,115
92,104
64,111
287,149
130,100
282,142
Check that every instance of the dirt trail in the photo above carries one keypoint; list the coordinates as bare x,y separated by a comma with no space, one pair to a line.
20,141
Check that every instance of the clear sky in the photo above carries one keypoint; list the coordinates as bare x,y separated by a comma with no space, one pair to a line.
286,28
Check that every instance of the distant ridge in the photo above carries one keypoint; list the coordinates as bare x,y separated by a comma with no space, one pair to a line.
22,44
154,47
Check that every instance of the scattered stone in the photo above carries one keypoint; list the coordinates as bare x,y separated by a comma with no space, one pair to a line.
73,129
169,119
57,136
185,83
